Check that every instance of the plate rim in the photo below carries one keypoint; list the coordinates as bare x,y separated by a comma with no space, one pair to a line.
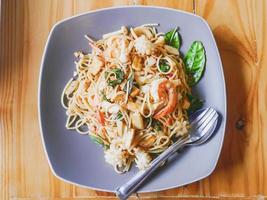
120,7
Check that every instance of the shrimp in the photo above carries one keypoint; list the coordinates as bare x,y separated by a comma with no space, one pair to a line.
166,91
119,48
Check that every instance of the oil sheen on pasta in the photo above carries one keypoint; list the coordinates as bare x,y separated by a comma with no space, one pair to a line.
129,95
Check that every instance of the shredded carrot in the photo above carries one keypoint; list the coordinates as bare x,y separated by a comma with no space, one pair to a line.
101,118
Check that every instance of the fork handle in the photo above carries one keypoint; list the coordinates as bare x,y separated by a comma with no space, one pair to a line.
124,191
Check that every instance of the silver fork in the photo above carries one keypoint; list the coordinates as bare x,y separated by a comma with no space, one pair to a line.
203,124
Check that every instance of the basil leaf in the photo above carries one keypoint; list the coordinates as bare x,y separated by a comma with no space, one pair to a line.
163,66
117,79
98,140
195,61
172,38
195,103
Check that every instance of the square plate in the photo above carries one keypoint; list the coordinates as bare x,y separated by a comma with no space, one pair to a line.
74,157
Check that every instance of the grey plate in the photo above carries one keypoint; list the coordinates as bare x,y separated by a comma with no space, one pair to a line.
75,158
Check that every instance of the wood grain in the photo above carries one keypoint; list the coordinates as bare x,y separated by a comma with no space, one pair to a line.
241,37
239,27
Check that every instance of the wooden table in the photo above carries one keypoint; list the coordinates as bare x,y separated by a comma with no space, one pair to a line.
240,29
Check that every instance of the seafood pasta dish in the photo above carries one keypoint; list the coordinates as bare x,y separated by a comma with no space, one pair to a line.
132,93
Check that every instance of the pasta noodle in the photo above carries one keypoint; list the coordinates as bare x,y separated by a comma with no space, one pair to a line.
129,95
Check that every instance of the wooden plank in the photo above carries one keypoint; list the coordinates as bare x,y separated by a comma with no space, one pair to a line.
25,26
240,29
163,198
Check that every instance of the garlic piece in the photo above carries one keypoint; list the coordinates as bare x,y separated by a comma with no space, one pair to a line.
95,66
143,46
137,120
137,65
128,138
150,61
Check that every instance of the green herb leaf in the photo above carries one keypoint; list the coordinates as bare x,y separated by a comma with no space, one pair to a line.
104,97
119,76
172,38
195,103
163,66
147,120
157,125
195,61
119,115
98,140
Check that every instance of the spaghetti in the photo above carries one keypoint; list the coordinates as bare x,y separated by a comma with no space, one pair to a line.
130,95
